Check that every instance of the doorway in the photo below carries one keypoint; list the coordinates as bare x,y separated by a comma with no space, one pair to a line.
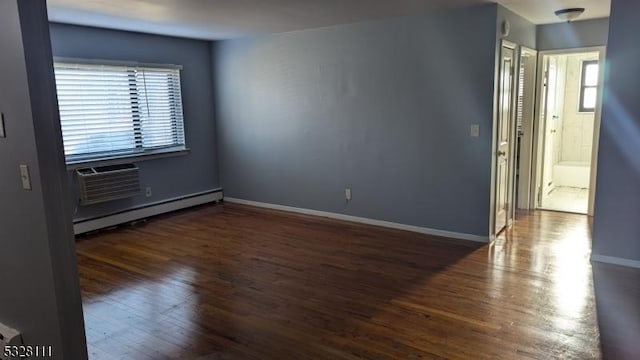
570,97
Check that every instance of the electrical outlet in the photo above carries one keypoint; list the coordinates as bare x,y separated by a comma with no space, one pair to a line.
347,194
148,192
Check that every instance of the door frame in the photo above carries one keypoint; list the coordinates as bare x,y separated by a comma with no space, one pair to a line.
494,154
538,129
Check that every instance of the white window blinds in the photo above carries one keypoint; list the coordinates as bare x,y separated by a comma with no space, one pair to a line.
109,111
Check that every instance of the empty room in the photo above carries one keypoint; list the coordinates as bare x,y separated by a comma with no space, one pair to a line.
340,179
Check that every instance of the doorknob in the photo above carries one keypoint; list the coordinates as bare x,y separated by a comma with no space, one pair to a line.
502,153
553,131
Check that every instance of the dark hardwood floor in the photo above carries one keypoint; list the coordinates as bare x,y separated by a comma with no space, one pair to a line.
236,282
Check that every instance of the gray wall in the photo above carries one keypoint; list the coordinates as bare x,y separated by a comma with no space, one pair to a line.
169,177
382,107
573,35
617,207
522,31
40,293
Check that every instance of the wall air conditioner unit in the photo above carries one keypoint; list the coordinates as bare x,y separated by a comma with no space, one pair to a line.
108,183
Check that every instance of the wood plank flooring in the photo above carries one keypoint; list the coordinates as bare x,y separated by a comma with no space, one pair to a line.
236,282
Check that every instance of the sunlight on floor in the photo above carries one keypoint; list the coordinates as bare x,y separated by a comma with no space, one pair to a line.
138,315
571,277
567,199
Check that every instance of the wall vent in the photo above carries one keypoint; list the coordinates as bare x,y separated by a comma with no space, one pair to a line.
10,339
108,183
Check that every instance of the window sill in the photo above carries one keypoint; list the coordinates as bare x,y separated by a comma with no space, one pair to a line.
126,159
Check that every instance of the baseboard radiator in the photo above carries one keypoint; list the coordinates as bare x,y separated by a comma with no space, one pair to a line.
81,226
107,183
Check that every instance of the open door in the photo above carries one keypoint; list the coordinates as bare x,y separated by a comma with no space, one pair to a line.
554,106
504,188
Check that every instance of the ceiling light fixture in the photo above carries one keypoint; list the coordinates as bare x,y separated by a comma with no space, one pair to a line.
569,14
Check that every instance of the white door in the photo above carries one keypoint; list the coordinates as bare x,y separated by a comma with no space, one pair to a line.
550,121
504,137
555,87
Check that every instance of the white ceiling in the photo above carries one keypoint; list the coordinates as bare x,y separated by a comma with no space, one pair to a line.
223,19
541,11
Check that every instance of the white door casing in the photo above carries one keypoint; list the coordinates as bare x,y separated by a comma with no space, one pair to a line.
540,127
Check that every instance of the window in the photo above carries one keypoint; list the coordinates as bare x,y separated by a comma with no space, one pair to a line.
589,86
112,111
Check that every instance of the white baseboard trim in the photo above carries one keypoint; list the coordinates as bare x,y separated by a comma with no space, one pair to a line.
616,261
145,211
362,220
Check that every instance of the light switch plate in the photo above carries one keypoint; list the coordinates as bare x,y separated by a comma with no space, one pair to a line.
26,177
2,133
475,130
